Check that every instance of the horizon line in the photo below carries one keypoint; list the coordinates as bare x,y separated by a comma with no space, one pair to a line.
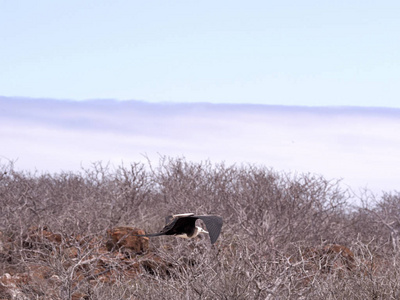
251,104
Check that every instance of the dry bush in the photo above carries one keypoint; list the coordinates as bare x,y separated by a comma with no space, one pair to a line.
285,236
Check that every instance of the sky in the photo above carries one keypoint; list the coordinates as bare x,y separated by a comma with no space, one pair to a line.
298,86
304,53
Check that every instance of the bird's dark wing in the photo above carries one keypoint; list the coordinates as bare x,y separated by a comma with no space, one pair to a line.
179,225
168,219
213,224
169,227
176,226
167,230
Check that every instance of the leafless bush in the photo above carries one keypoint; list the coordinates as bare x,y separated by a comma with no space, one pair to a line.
285,236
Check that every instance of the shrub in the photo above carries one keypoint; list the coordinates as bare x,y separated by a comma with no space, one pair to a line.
285,235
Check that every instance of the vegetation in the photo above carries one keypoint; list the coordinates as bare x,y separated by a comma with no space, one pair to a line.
284,236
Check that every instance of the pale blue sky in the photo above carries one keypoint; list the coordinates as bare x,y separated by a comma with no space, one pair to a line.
269,52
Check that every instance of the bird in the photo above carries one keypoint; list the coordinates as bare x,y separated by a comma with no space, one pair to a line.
184,226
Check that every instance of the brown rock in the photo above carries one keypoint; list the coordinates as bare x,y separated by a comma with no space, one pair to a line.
340,256
126,238
330,258
41,236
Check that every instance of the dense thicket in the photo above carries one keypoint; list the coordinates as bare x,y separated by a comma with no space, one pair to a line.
274,225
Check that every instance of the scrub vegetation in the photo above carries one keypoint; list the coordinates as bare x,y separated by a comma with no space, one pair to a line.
284,236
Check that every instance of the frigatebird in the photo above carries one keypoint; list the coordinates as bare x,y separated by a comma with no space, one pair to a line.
184,225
